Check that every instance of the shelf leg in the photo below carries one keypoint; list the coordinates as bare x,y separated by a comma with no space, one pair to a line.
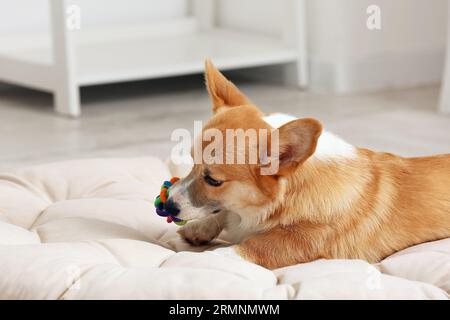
444,103
66,91
294,34
66,100
294,75
205,12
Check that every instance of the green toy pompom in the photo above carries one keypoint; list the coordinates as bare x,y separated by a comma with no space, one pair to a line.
157,201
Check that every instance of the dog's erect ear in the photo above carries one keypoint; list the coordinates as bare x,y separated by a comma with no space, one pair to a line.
297,142
223,92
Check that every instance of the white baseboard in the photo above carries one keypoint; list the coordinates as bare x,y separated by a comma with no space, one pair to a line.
390,69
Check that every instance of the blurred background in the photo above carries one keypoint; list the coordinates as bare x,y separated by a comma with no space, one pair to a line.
113,78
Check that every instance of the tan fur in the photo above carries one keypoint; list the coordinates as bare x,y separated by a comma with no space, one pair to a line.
365,207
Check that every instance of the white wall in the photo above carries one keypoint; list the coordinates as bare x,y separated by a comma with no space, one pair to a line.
346,56
33,15
343,54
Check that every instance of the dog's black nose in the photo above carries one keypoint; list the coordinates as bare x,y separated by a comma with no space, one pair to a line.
171,207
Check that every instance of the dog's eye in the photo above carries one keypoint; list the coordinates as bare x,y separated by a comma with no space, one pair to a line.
211,181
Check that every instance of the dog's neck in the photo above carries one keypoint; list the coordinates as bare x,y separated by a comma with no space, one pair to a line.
322,191
319,190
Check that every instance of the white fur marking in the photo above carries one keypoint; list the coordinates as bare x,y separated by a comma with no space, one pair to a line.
329,145
276,120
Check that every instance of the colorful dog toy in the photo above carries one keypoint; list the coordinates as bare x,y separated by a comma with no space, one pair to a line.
161,200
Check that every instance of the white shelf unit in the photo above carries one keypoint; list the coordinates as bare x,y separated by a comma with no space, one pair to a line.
66,60
444,103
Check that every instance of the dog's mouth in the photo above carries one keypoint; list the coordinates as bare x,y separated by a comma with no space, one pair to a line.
194,213
187,208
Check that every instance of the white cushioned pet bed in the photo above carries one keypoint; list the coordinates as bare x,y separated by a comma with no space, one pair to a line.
86,229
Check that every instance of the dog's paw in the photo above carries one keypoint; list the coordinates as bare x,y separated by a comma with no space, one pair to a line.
199,233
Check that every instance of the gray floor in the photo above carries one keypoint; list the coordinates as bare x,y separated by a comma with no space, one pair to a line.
136,119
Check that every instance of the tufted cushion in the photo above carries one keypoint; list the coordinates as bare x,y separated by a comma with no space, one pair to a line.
86,229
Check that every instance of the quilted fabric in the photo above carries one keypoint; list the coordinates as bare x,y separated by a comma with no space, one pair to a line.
86,229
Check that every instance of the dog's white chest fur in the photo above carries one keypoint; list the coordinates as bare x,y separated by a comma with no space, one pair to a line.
329,145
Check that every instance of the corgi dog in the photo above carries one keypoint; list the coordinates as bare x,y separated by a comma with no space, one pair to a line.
328,199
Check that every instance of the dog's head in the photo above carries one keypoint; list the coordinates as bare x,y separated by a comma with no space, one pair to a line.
227,173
